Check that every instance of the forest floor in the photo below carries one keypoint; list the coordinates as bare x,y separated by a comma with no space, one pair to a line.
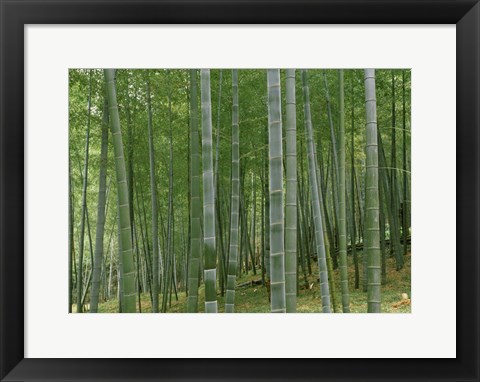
254,298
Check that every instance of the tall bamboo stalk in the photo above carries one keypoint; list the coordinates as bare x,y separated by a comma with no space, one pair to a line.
291,195
209,242
71,261
266,243
130,182
277,251
315,200
372,230
253,231
128,270
394,223
331,274
102,190
405,179
233,256
195,204
218,212
153,191
342,214
170,254
352,191
84,202
335,171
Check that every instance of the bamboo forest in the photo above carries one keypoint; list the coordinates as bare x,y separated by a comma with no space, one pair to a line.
239,191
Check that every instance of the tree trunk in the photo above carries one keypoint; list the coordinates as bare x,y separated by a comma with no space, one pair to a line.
394,226
195,204
252,225
84,202
405,178
70,239
317,218
352,195
372,230
170,253
342,218
277,252
335,173
291,196
234,215
102,189
153,191
209,242
129,295
218,212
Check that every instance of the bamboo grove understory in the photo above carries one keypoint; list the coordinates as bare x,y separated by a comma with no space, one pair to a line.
218,190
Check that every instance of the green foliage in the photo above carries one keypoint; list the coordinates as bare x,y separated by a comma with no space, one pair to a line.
185,247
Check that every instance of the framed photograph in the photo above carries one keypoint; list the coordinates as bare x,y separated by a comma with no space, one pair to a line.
305,158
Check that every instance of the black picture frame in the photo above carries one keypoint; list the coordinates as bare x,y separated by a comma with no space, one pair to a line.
15,14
